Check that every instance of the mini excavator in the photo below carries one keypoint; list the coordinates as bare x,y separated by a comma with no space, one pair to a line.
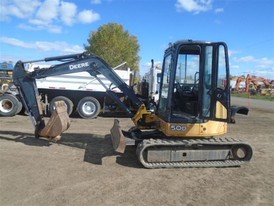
192,112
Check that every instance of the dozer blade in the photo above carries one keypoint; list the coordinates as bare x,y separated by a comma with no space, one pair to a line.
58,122
117,137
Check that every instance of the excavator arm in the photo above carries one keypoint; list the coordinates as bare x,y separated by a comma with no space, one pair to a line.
59,121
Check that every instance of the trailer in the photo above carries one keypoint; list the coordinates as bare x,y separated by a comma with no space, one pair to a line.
82,93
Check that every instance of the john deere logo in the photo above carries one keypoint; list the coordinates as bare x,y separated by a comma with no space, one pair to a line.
78,66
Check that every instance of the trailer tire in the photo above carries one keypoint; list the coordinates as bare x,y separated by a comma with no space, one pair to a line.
9,105
68,102
88,107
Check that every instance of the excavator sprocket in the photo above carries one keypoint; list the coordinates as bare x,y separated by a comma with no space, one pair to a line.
58,122
186,153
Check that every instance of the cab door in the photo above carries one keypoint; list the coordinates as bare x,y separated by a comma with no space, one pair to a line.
215,86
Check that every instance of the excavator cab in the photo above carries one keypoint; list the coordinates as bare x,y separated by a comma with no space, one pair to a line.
195,84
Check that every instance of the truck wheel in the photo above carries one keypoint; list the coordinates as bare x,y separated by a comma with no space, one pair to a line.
88,107
20,107
61,98
9,105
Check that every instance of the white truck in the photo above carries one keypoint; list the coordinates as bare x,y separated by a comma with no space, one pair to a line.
153,78
82,93
149,87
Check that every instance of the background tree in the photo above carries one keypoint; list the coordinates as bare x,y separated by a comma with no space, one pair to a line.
115,45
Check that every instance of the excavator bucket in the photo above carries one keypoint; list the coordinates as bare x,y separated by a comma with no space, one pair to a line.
117,137
58,122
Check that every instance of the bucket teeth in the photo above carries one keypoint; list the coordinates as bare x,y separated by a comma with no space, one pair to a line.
117,137
58,122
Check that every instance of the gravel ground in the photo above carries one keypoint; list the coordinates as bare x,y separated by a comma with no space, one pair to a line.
83,169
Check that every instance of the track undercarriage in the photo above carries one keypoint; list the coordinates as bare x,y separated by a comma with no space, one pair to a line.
155,150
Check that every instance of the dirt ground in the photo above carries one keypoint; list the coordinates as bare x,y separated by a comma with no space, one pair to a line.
83,169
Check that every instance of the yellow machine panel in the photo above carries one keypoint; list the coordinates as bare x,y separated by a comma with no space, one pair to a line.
207,129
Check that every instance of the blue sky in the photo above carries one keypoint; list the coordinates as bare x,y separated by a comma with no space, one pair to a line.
33,29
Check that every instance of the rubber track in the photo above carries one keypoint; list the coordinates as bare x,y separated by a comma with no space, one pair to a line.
190,164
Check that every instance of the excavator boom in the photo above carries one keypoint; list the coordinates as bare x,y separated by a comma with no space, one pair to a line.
59,121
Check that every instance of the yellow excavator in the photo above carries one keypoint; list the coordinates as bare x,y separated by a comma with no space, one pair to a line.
184,129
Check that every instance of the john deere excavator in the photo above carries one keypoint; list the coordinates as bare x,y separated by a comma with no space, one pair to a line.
183,131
